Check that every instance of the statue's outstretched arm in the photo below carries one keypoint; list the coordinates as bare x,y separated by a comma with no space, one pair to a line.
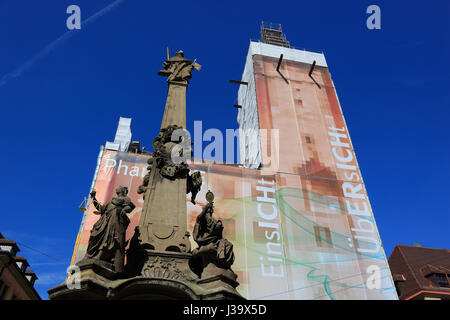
95,202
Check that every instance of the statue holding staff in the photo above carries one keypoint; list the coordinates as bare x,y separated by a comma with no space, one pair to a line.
107,240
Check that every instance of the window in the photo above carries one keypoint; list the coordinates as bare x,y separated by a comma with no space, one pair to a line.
399,281
442,280
399,287
439,279
323,236
8,248
20,265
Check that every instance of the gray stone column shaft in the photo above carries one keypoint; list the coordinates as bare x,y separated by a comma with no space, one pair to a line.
163,220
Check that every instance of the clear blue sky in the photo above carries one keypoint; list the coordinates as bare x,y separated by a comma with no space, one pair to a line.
59,105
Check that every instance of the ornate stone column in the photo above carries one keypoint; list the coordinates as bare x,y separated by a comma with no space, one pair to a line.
160,262
162,225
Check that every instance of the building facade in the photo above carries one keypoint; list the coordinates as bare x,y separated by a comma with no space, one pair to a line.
16,281
296,208
292,126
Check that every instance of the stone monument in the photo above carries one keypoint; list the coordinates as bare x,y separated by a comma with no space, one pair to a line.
107,243
160,262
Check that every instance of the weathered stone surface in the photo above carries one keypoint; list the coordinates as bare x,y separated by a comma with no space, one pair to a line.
107,239
159,259
214,255
163,221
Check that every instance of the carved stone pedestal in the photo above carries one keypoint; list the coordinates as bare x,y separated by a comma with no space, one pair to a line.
98,267
165,275
95,281
219,287
170,273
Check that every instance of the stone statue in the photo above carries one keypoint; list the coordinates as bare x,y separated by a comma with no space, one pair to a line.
214,254
107,239
165,149
143,188
178,67
161,159
194,184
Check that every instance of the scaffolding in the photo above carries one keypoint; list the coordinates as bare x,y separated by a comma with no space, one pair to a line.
271,33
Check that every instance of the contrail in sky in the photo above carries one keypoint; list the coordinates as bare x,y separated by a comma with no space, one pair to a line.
41,54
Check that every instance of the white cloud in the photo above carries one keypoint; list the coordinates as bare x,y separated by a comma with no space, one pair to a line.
50,278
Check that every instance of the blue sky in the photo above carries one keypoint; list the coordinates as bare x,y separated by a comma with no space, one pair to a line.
61,101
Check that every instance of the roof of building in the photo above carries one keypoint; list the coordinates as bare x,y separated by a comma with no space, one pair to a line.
7,241
20,258
414,264
30,272
28,275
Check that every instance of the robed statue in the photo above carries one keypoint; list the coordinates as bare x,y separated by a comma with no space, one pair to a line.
178,68
214,252
107,240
